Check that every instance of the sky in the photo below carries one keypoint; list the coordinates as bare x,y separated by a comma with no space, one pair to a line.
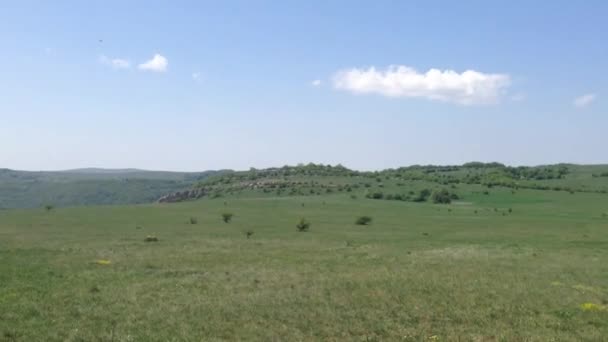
196,85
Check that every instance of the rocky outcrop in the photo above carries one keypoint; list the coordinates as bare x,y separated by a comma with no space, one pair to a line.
183,196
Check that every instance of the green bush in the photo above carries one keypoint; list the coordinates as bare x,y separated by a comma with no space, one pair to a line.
422,196
442,196
363,220
227,217
193,220
303,225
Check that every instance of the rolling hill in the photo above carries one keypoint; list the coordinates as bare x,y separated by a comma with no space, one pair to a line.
27,189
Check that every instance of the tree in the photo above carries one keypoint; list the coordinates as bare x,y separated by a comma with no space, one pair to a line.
442,196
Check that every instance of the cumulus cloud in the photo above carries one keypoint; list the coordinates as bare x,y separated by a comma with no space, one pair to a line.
158,63
467,88
584,100
316,83
116,63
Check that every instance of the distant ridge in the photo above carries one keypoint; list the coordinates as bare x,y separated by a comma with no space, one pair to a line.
91,186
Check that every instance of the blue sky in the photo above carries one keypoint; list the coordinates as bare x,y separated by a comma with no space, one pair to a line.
178,85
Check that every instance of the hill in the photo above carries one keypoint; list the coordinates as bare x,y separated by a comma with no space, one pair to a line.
440,184
27,189
505,254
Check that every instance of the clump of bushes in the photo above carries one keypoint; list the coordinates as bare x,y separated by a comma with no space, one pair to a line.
193,220
151,238
422,196
443,196
303,225
363,220
227,217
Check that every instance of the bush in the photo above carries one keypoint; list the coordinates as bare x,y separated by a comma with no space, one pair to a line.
423,195
377,195
151,238
442,197
227,217
249,233
193,220
48,207
303,225
363,220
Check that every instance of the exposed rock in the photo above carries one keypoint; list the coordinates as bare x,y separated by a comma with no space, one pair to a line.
183,196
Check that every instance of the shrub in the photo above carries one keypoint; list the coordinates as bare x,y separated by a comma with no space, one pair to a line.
151,238
363,220
193,220
227,217
442,197
303,225
48,207
377,195
422,196
249,233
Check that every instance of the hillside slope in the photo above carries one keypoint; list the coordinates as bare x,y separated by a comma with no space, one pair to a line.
26,189
439,184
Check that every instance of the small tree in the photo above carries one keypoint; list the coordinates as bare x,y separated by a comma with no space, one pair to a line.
193,220
48,207
249,233
303,225
442,197
423,195
363,220
227,217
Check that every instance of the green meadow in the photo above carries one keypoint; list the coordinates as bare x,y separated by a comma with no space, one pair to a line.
496,264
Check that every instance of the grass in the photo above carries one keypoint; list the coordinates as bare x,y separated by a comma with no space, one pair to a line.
418,273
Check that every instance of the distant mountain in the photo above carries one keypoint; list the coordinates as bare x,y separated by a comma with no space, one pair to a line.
91,186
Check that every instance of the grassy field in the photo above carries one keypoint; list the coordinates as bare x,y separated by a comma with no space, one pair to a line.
524,265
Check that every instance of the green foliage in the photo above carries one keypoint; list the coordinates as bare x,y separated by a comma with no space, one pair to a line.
443,196
363,220
25,189
193,220
303,225
227,217
151,238
423,195
48,207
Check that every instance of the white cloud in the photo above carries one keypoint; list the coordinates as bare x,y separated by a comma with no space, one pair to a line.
158,63
116,63
196,76
316,83
584,100
467,88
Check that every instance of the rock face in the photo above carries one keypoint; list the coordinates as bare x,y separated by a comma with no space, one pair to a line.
183,196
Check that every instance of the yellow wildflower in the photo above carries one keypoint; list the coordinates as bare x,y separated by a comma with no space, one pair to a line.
103,262
592,307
